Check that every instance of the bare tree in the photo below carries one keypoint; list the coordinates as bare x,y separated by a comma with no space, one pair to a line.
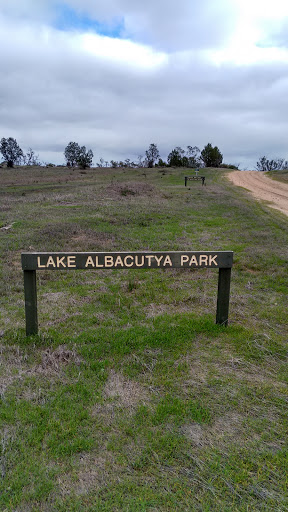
31,158
140,161
266,165
193,153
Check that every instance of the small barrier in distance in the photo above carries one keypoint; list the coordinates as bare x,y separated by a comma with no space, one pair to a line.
195,178
31,262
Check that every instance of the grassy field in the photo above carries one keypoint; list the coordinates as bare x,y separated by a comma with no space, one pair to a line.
131,398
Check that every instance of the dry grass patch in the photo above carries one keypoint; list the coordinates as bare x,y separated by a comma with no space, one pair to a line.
72,237
14,365
132,189
229,428
183,277
53,297
53,360
119,393
13,260
42,175
247,372
57,307
92,240
91,473
198,372
126,392
188,305
230,366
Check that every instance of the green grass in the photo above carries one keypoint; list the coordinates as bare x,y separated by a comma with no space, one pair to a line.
131,398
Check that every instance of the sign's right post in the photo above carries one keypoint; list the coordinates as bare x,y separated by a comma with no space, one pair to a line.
223,297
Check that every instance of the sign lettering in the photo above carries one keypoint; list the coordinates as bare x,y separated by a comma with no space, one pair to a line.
94,260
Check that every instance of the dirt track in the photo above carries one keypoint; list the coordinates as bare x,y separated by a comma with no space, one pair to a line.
263,187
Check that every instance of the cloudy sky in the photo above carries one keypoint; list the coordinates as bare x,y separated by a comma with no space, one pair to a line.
118,75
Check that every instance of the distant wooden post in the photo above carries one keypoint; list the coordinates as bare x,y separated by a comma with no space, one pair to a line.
223,297
30,291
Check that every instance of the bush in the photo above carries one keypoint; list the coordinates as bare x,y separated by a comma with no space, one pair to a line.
230,166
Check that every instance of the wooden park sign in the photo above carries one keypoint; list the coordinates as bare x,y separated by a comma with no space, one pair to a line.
195,178
31,262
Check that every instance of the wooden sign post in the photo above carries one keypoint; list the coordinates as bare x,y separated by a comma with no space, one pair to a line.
31,262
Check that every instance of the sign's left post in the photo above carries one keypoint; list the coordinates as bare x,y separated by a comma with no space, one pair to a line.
30,291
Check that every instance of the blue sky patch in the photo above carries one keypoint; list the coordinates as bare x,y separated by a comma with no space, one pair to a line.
68,19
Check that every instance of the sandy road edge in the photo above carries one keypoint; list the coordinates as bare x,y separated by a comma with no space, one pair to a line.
262,187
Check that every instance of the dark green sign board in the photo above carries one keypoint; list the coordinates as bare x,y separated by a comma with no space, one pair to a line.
31,262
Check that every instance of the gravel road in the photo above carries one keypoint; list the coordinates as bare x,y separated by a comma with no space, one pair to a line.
263,187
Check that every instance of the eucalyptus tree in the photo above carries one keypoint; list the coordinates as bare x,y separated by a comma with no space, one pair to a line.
11,151
152,154
78,155
85,157
71,153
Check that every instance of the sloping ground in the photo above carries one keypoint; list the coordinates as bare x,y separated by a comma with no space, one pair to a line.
263,187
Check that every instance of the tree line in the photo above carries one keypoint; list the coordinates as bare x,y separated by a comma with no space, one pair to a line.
191,157
76,155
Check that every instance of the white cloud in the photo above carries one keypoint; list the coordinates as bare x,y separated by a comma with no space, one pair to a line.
186,75
165,25
256,21
121,51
